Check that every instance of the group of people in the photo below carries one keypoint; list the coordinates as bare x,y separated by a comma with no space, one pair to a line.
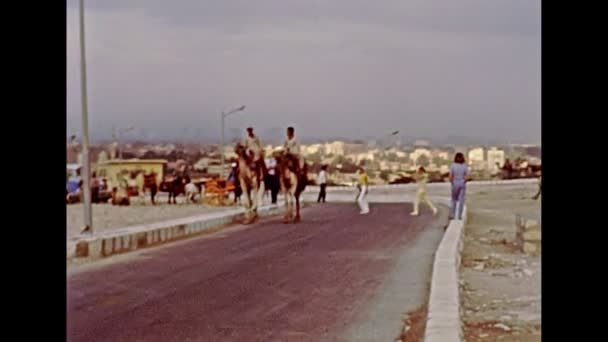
75,184
459,176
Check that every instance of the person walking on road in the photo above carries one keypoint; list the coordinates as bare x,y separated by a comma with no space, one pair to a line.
322,182
362,198
459,176
421,179
273,184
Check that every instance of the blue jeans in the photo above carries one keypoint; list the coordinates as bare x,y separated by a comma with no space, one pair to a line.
458,194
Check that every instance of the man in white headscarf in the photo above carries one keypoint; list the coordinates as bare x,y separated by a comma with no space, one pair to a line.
292,147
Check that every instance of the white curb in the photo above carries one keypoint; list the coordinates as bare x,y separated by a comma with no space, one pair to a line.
132,238
443,317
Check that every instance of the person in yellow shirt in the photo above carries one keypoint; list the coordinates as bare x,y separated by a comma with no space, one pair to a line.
421,179
363,188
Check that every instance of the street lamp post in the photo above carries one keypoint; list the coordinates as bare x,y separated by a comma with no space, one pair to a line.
120,132
223,117
88,215
388,136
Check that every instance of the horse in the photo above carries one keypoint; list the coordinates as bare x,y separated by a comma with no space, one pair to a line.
175,186
251,179
293,181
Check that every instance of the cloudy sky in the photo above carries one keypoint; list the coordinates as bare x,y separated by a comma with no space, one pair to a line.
348,68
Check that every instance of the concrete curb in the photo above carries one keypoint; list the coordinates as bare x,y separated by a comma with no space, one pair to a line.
315,189
142,236
443,317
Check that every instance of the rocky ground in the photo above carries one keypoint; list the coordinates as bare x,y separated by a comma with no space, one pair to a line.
500,285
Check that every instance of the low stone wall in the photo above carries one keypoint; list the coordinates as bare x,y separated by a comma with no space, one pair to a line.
133,238
529,235
443,317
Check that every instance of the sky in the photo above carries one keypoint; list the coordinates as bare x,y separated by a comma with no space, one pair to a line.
331,68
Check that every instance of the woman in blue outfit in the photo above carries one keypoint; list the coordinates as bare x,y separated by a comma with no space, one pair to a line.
459,176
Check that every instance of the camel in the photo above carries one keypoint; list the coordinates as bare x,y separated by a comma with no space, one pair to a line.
293,182
251,179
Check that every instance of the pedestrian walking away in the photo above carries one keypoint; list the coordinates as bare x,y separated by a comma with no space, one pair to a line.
322,182
459,176
421,179
362,200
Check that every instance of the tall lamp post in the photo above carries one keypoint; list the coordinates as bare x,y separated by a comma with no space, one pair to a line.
86,167
120,133
388,136
223,116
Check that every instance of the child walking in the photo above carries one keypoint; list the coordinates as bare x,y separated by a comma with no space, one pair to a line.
421,179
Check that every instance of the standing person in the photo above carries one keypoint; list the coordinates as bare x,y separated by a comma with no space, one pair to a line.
235,180
362,199
94,188
421,179
272,179
322,182
459,176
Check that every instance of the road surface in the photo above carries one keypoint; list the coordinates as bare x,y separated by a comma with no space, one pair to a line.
323,279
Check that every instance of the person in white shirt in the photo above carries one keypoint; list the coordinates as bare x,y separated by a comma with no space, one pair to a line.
322,182
292,147
272,179
254,146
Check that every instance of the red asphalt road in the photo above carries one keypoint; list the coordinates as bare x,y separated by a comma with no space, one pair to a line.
268,282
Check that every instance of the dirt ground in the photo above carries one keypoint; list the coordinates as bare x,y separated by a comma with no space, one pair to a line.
500,286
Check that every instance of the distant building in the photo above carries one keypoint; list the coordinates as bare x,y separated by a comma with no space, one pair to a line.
495,156
421,143
336,148
420,152
114,170
441,154
365,156
312,149
476,158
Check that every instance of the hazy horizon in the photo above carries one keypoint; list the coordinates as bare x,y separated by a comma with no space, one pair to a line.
350,69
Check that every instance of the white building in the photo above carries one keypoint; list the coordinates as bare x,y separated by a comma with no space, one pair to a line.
366,155
311,149
476,158
420,152
495,156
336,147
441,154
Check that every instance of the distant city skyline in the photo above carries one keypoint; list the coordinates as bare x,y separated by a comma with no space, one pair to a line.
345,69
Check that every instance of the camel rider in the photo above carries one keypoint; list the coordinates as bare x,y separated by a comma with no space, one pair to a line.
254,147
292,147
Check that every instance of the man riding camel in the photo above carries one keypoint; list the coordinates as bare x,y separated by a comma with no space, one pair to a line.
254,147
292,149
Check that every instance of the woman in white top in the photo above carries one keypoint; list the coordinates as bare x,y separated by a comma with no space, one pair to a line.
421,179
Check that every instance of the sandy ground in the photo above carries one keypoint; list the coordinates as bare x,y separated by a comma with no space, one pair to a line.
500,286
